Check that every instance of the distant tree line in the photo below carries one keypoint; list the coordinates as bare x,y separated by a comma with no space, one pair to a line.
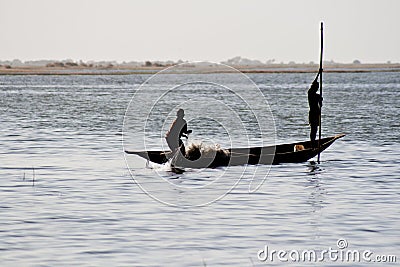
59,64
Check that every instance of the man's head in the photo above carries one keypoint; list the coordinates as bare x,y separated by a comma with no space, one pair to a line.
315,86
180,113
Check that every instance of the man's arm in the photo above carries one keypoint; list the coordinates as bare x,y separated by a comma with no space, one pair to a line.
316,77
185,131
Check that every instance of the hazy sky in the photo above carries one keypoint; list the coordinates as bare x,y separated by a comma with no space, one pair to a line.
215,30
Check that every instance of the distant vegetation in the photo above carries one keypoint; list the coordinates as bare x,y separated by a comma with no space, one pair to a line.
235,61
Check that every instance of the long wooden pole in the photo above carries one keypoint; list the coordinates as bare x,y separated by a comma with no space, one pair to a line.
320,88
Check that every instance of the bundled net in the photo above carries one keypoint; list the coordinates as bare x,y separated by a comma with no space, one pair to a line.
196,150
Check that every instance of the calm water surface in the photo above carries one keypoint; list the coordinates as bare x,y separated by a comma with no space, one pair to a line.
68,199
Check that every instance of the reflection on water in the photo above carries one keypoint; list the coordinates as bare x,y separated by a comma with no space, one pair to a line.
84,208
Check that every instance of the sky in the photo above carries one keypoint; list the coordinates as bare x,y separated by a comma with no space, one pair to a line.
213,30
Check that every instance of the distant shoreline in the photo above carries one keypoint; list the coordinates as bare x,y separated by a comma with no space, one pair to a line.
272,68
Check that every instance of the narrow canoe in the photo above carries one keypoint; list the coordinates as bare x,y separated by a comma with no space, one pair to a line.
278,154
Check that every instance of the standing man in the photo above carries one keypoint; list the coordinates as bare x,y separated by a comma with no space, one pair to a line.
177,130
315,103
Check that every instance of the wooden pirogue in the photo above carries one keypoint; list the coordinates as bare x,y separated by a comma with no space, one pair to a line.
278,154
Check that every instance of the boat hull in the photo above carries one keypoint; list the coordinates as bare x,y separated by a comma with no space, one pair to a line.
278,154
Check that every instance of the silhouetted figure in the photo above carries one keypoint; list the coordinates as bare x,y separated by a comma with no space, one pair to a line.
315,103
177,130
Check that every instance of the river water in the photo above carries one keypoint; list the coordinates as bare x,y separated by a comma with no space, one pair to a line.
69,199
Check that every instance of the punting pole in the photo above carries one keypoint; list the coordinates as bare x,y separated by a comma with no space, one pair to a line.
320,88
